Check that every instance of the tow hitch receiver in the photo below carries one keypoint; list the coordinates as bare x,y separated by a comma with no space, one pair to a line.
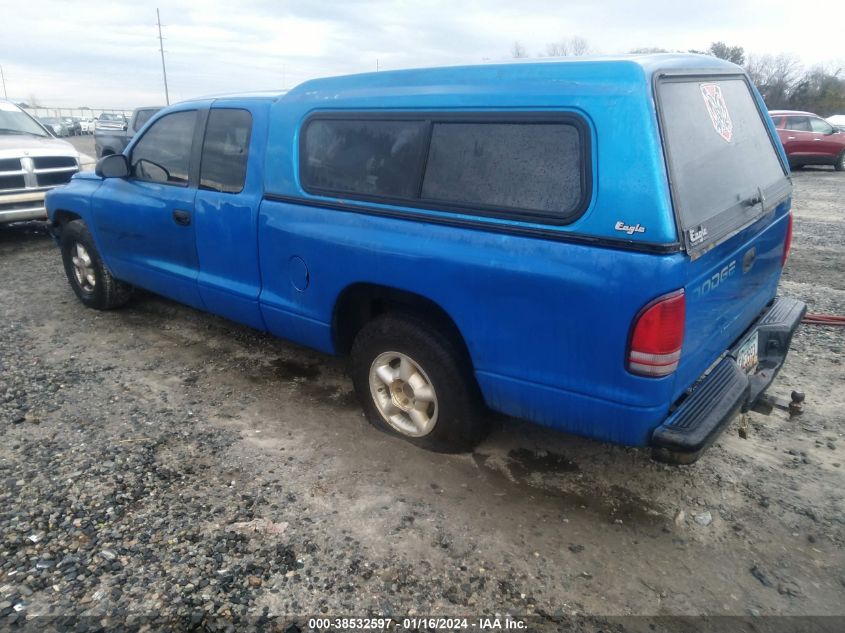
766,404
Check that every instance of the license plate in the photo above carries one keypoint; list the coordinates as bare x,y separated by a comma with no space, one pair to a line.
746,357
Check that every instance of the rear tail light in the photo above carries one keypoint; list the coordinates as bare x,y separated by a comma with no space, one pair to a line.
787,244
657,336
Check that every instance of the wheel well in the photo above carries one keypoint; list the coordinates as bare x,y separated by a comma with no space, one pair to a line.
62,217
360,303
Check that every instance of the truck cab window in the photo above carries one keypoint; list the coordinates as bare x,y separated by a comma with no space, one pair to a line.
164,153
225,150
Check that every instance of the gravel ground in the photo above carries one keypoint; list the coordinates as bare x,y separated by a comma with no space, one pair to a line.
163,467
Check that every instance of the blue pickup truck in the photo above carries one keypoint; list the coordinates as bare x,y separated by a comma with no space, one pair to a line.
594,245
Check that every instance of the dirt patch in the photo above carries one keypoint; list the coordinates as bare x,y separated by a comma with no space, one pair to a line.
130,440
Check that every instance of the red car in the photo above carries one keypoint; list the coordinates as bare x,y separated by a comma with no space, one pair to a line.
809,139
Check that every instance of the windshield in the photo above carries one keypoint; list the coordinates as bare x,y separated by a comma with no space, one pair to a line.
15,121
725,170
111,117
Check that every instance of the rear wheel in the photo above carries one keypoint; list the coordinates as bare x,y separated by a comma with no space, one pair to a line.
88,275
413,382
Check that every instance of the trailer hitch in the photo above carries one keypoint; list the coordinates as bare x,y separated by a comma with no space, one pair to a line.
766,404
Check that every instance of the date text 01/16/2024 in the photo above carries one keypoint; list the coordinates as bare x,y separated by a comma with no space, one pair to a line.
416,623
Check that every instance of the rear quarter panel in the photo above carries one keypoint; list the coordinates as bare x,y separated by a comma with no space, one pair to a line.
546,323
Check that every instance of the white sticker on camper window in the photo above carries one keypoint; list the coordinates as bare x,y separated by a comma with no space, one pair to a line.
718,110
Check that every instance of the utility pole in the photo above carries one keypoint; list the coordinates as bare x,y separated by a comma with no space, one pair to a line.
3,77
376,64
161,50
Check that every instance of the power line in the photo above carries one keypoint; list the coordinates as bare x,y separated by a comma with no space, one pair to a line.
161,50
3,77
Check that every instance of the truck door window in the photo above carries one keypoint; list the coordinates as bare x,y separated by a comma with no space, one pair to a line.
163,154
225,150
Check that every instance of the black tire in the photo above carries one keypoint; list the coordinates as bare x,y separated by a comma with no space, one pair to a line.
460,423
106,292
839,165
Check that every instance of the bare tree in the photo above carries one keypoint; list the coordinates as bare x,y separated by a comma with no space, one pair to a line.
557,49
775,76
518,50
820,90
574,46
648,50
579,46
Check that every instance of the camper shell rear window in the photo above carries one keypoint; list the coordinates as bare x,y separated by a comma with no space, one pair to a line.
724,167
527,166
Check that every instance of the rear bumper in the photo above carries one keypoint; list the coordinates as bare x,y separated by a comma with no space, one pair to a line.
726,390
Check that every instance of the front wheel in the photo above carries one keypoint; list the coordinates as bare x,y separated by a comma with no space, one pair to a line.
414,382
88,275
839,165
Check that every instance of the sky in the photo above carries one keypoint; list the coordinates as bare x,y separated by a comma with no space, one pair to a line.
105,54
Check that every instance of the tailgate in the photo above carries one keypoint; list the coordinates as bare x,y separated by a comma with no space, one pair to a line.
728,288
731,195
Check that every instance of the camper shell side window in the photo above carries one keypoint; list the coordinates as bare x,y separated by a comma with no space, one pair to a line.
526,166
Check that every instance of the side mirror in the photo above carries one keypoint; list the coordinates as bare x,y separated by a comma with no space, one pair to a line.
112,166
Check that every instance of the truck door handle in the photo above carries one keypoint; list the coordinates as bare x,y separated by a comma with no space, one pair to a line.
182,218
790,138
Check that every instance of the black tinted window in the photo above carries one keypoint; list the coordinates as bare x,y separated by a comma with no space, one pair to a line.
164,152
528,166
142,116
365,157
225,150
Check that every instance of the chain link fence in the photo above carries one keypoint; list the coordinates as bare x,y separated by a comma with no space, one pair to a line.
77,112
